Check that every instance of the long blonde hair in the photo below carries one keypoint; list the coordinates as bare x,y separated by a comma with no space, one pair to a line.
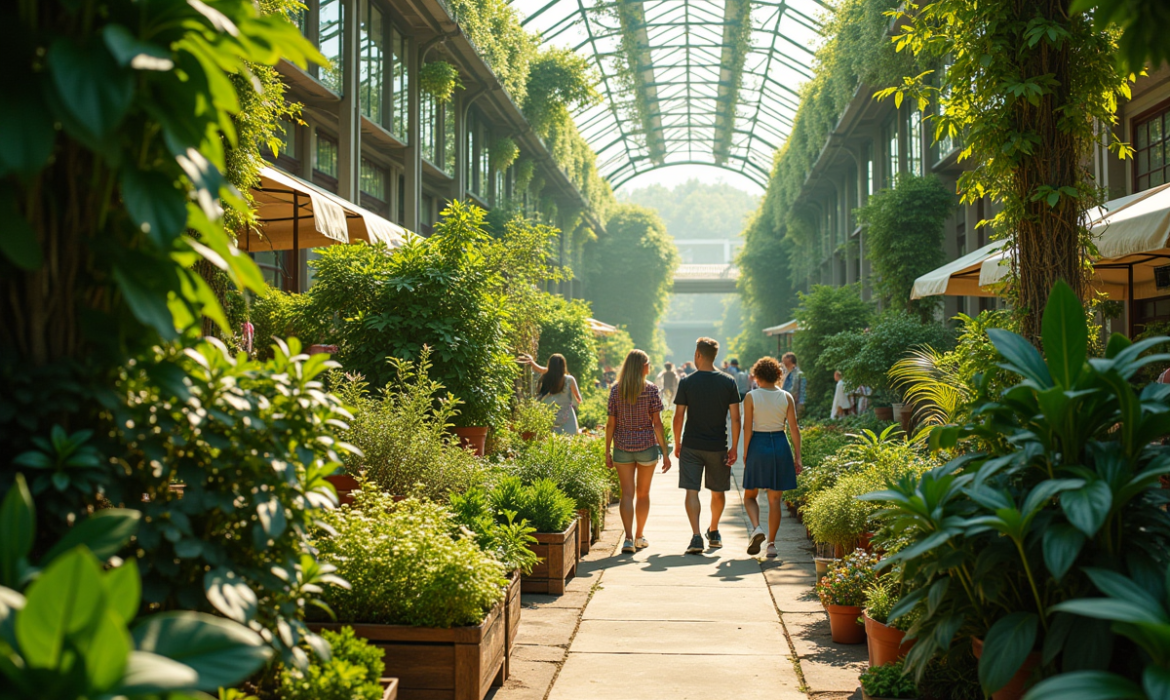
631,378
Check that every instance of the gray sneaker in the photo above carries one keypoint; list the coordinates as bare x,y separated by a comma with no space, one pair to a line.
714,540
696,546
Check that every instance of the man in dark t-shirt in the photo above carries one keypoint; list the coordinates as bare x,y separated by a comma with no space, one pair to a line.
702,404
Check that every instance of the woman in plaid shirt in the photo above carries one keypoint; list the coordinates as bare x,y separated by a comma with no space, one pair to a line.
634,440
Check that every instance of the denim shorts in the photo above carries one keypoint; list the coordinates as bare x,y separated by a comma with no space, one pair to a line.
649,455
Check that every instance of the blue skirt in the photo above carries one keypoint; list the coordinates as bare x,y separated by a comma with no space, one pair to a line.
769,464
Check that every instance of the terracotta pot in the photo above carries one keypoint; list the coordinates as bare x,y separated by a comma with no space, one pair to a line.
319,349
474,437
843,623
885,643
528,436
1014,690
864,541
885,413
838,551
345,485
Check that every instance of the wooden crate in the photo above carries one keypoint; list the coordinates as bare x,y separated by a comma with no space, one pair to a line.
511,620
558,554
457,663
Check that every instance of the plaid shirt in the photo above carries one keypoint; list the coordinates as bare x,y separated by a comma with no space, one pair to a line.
634,431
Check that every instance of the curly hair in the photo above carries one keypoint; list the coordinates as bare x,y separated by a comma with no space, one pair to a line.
766,369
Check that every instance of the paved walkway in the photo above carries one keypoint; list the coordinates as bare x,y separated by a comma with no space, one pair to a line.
664,624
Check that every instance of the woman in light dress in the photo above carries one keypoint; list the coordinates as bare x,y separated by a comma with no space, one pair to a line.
770,462
558,388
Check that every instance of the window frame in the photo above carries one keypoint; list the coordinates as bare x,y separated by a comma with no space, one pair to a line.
1160,110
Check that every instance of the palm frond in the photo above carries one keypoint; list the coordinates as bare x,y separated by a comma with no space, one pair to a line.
930,382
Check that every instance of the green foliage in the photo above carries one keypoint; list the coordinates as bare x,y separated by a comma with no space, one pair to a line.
502,153
1067,485
445,292
835,516
1142,22
534,418
889,681
846,582
559,81
277,314
402,435
594,410
952,676
824,312
131,109
495,30
497,533
565,328
765,288
248,444
904,236
351,673
70,627
575,464
1030,120
542,504
407,564
628,66
636,260
866,356
440,80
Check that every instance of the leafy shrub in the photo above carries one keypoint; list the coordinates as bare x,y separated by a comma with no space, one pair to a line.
507,540
564,328
835,516
535,418
278,314
847,581
825,312
889,681
402,432
574,463
594,408
351,673
407,563
865,356
250,444
542,503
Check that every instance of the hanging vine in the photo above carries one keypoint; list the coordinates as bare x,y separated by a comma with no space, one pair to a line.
502,153
628,67
737,36
440,80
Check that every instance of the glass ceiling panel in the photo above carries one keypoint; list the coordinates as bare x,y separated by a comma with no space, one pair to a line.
683,53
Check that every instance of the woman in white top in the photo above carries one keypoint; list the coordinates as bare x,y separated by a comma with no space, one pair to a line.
558,388
769,462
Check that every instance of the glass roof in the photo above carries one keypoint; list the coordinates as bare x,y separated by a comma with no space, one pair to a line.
683,54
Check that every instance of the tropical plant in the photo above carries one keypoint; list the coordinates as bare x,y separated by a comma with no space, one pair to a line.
402,433
889,681
70,625
824,312
351,672
1066,483
229,477
408,563
440,80
848,580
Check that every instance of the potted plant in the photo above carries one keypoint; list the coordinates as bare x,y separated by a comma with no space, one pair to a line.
885,641
421,589
353,670
577,466
533,420
835,516
842,592
1057,480
888,683
554,515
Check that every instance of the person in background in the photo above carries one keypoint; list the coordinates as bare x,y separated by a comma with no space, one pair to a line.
558,388
668,382
688,368
635,434
860,397
795,382
704,400
770,463
842,401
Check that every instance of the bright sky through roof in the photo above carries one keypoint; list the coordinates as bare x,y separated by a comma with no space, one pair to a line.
684,52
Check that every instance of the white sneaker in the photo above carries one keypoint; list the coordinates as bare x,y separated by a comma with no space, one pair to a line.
771,551
755,539
628,547
641,543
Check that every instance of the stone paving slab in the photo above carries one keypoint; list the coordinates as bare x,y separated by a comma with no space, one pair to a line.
688,603
589,676
676,637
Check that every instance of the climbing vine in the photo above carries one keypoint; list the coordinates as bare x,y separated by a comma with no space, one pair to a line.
1029,120
440,80
739,31
627,66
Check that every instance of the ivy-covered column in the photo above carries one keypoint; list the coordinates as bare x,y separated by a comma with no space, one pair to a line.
412,167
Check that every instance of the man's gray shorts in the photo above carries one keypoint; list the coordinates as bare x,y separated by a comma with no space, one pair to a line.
693,463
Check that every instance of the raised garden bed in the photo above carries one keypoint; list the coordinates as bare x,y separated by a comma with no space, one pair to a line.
512,609
558,552
391,686
585,529
457,663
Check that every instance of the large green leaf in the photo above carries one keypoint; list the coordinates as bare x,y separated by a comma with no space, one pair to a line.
91,85
230,594
128,50
106,651
148,305
1087,507
1062,544
104,533
1065,334
153,201
1008,643
1086,685
124,590
67,599
148,673
18,523
222,652
1024,358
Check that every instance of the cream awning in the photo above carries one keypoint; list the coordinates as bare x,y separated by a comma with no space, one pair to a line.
601,328
783,329
959,277
286,205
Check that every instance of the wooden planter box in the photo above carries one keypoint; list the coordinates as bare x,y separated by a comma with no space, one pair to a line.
457,663
585,528
391,686
558,561
511,620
